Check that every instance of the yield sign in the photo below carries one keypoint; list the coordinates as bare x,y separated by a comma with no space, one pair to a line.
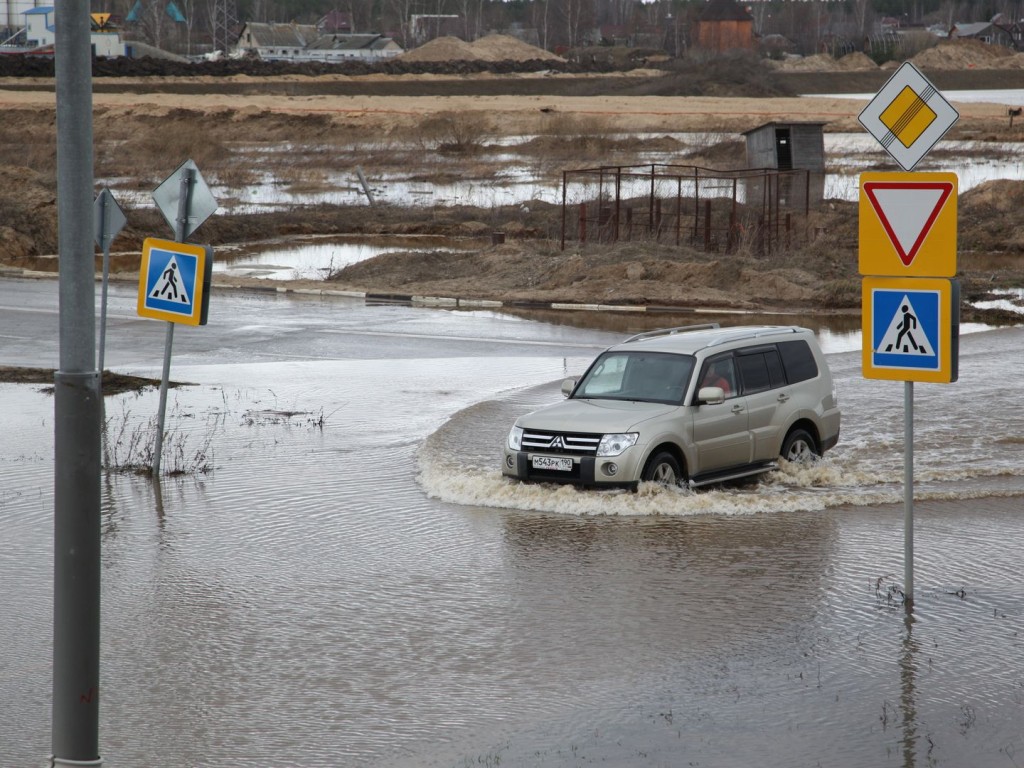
908,224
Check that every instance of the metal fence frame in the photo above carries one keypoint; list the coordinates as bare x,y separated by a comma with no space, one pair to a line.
710,215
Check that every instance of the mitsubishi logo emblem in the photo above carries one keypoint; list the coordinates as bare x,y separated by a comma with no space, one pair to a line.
556,443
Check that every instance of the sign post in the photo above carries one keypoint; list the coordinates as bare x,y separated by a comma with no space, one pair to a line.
186,202
109,220
910,298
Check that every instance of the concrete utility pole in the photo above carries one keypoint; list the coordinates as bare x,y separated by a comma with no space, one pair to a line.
77,410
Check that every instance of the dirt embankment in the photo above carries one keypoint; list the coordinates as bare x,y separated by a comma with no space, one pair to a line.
140,120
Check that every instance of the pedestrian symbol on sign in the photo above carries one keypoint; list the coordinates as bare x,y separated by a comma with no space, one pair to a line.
905,329
169,287
904,335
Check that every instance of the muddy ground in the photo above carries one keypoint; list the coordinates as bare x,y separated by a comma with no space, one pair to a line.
140,122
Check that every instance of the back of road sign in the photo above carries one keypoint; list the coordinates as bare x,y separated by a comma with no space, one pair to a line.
908,224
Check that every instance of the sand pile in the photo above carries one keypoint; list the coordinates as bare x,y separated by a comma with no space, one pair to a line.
489,48
508,48
822,62
855,62
443,49
966,54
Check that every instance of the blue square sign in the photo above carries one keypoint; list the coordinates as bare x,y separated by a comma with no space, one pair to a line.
911,329
174,281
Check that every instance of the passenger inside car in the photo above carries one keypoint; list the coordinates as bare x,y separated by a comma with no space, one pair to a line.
719,374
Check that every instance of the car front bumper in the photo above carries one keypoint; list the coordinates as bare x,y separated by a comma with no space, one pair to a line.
586,470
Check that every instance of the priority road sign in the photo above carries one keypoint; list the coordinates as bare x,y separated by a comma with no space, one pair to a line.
911,329
908,116
908,224
174,281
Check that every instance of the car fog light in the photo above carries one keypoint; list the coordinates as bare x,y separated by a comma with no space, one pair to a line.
509,462
611,468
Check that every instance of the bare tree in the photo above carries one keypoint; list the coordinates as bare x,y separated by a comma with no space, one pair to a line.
574,14
153,21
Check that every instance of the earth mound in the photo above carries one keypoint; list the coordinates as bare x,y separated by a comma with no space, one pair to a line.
965,54
823,62
489,48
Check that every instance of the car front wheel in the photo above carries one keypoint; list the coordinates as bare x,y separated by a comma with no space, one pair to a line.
799,447
663,469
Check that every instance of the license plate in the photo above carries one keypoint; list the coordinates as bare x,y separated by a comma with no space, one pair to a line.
550,462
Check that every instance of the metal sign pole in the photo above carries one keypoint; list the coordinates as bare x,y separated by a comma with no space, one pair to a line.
180,232
104,238
908,495
109,220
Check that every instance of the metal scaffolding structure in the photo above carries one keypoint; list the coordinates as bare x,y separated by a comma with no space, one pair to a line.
759,208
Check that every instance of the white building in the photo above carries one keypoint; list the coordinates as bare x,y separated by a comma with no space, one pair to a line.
39,25
306,42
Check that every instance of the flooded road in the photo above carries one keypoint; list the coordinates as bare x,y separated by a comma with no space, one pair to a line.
343,578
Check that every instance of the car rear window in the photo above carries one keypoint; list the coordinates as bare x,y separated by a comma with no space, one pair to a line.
798,360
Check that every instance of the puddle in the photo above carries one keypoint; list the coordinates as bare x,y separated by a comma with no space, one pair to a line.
1011,300
316,258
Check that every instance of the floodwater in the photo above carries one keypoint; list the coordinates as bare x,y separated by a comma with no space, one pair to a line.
502,177
317,257
352,583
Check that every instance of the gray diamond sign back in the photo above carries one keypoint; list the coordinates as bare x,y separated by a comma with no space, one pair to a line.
201,206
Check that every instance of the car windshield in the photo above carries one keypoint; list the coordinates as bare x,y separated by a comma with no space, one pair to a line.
654,377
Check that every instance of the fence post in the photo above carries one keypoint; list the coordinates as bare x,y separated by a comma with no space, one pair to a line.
707,225
564,186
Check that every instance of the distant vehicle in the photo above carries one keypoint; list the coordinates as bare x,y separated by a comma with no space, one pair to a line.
691,405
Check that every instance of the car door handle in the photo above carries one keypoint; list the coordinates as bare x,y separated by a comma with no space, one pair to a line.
737,409
783,397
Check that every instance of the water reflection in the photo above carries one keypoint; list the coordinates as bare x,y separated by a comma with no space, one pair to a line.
908,701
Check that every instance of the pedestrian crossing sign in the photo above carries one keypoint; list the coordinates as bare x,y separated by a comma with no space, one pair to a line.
174,281
911,329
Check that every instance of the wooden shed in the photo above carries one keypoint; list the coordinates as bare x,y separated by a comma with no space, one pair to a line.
724,25
787,147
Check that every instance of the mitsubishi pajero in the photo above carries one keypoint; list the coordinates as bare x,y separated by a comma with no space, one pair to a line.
691,405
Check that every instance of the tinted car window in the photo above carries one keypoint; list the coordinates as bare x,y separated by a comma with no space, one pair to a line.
753,372
776,373
798,361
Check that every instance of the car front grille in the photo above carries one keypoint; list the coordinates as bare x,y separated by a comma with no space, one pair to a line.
568,443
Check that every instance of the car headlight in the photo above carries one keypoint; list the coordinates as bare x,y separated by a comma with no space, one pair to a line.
613,445
515,439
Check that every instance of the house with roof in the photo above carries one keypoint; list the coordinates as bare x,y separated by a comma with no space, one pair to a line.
308,42
724,25
41,34
985,31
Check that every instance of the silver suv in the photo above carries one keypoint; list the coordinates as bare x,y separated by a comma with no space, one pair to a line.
698,404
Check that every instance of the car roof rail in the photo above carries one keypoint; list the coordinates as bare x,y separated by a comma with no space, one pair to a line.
672,331
756,332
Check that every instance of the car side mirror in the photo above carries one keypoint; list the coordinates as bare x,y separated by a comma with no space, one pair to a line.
711,395
568,385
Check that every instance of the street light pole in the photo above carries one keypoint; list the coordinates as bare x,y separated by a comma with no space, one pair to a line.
77,409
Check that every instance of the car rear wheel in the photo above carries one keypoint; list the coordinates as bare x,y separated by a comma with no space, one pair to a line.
663,469
799,447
